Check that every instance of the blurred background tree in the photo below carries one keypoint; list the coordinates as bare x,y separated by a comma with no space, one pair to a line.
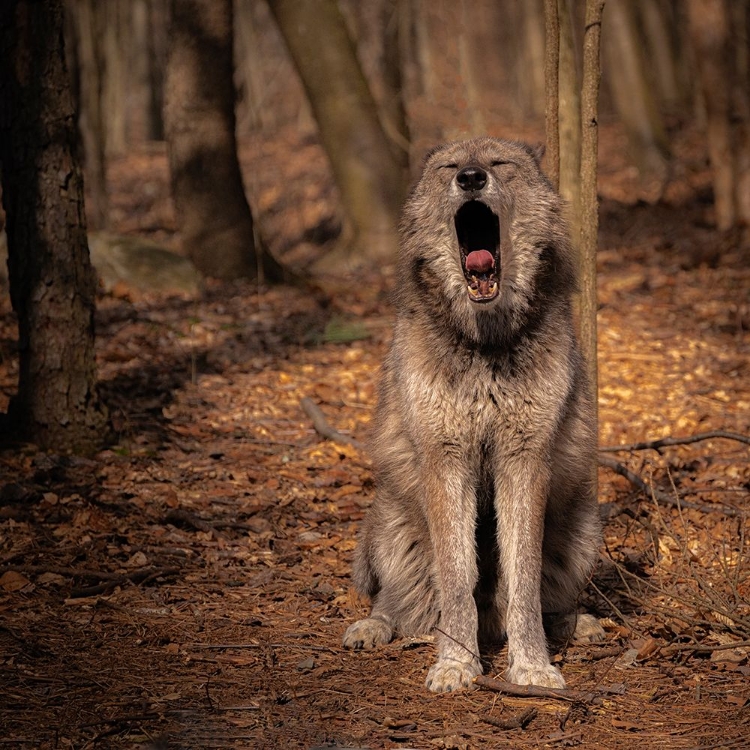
377,83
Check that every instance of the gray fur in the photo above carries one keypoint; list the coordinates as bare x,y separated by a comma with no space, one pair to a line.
485,516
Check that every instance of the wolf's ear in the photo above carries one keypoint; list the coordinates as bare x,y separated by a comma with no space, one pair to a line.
537,151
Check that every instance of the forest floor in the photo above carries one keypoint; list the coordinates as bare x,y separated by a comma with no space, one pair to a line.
189,587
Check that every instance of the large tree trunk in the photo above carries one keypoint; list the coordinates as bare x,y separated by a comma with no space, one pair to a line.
370,180
213,215
52,283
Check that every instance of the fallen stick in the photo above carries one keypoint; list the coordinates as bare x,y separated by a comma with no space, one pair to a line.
140,575
322,427
663,497
535,691
182,516
663,442
519,721
677,647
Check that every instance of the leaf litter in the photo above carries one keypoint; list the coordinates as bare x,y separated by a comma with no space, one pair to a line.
189,586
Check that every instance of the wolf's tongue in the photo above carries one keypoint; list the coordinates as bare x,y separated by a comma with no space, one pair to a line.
479,261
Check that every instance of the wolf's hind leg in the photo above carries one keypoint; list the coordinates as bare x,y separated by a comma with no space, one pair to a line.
578,628
375,630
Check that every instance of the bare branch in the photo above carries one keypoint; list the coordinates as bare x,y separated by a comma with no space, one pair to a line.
662,497
535,691
322,427
663,442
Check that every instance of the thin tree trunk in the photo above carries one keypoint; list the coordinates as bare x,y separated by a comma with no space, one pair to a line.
89,24
532,87
740,23
213,215
727,123
393,112
552,89
661,52
52,283
116,42
631,90
589,204
569,118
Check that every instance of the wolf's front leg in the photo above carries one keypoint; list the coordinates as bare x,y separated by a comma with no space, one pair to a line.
451,513
521,486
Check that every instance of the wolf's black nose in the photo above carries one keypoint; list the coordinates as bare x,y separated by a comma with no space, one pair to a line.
471,178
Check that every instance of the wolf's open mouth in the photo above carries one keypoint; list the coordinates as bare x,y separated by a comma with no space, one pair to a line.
478,232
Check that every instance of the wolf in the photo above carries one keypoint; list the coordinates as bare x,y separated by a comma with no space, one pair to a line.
485,522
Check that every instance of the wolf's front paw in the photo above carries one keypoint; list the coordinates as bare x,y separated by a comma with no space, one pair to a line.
588,629
543,675
368,633
449,674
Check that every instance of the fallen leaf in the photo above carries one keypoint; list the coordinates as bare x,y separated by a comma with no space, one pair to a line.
649,648
11,580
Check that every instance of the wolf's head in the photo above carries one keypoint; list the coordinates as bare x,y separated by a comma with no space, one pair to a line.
483,229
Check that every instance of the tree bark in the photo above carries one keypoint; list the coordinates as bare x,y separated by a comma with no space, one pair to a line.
589,202
88,29
570,118
52,283
370,180
552,90
213,215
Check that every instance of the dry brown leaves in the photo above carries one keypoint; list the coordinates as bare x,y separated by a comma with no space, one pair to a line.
191,584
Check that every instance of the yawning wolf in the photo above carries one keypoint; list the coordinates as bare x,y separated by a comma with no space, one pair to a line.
485,521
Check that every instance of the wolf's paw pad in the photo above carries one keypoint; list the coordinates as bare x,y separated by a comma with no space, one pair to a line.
449,674
544,675
367,634
588,630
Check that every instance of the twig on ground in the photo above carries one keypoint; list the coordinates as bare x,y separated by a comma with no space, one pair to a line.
110,580
519,721
535,691
140,577
663,442
663,497
134,575
605,653
322,427
677,647
181,516
225,646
